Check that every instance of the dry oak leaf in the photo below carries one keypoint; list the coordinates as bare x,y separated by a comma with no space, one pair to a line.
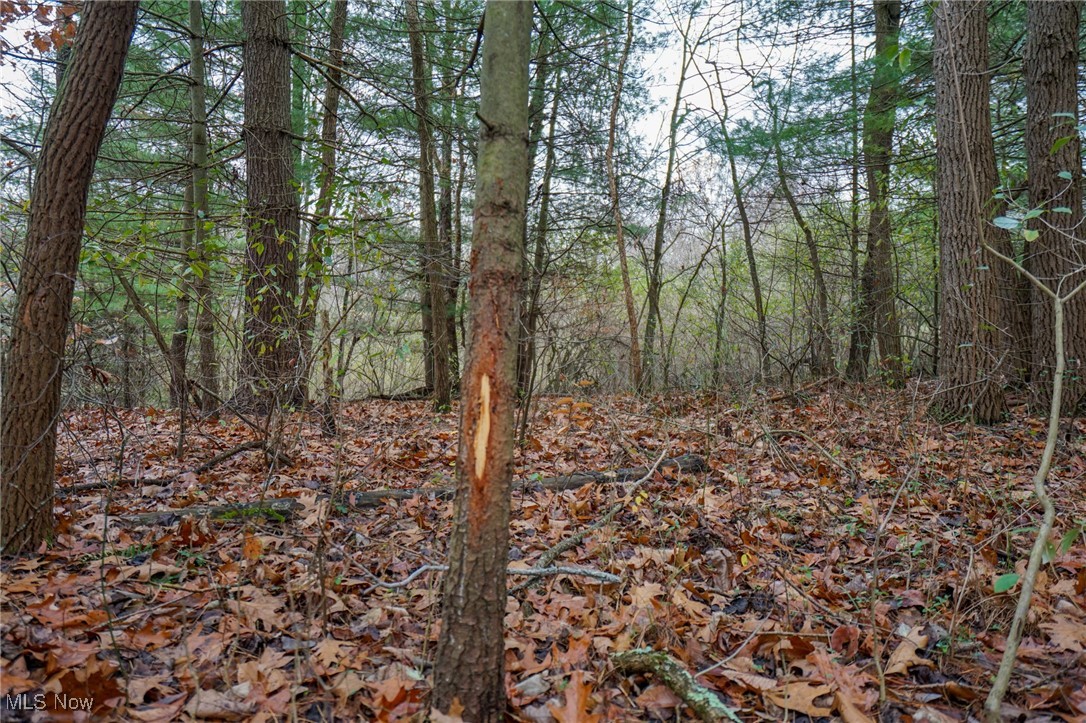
800,696
905,655
219,706
1066,633
578,697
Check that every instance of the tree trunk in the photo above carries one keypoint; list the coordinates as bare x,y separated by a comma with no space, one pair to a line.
270,358
821,347
31,395
445,206
435,277
971,312
616,204
205,320
1051,67
878,313
470,651
858,344
655,261
179,343
319,232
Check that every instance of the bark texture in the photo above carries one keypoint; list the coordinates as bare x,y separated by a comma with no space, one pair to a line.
878,312
470,651
971,312
31,396
1051,67
270,358
434,287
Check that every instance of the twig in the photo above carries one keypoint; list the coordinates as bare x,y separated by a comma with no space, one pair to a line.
551,554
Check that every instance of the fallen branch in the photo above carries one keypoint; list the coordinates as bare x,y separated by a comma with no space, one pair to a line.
279,509
703,701
529,571
376,498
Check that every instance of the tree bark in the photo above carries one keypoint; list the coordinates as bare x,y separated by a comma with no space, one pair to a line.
821,347
205,320
878,313
1051,68
616,204
470,651
971,312
31,396
270,358
319,231
177,357
435,277
656,258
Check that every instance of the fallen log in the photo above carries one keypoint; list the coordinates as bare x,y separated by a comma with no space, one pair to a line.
282,507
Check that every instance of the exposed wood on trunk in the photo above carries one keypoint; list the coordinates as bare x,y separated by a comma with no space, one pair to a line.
469,665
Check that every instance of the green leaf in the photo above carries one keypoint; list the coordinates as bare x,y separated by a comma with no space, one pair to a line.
904,57
1030,234
1033,213
1060,143
1006,222
1005,582
1061,209
1065,175
1069,539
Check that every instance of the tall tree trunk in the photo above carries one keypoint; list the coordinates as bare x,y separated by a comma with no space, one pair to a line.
748,230
878,313
445,205
179,342
821,346
720,318
858,343
616,204
538,260
536,115
270,360
971,311
655,261
470,651
30,403
1051,67
435,277
205,320
320,235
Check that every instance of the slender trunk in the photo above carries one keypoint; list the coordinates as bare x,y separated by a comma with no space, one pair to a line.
525,349
821,346
878,310
435,278
616,205
720,318
526,362
655,280
30,402
202,288
858,345
314,271
445,235
471,648
179,342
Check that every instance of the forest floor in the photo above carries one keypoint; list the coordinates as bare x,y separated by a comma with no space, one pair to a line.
840,542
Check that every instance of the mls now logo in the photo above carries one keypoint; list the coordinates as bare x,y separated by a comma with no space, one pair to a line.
40,701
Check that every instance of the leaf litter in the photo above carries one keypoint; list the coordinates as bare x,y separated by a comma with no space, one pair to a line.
840,544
